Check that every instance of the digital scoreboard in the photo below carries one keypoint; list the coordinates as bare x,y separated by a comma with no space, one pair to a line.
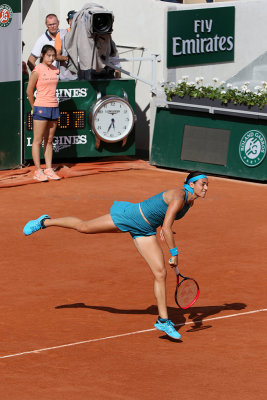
68,120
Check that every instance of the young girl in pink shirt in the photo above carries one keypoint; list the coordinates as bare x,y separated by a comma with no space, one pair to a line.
45,111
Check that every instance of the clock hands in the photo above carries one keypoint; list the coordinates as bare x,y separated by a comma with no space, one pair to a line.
112,125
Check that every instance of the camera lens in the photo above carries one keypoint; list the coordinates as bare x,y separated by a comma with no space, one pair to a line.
102,23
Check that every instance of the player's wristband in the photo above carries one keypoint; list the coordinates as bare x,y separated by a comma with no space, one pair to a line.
174,251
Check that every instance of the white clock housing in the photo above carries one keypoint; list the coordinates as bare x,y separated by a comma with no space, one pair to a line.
112,119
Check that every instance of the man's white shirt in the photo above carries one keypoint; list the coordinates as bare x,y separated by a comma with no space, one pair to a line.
41,42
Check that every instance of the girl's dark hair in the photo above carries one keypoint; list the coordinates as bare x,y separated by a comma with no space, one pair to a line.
193,174
45,49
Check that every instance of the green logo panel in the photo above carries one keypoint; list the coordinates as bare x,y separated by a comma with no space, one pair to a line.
6,14
202,36
252,148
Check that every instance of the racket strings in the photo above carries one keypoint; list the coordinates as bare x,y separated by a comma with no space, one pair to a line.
187,293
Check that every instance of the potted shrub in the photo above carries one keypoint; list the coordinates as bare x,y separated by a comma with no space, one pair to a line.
219,95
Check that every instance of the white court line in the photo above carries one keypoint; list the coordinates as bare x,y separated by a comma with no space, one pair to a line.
127,334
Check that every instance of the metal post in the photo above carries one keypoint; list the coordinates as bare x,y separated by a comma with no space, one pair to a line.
154,58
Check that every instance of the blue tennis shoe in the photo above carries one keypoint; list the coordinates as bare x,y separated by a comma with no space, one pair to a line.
168,327
35,225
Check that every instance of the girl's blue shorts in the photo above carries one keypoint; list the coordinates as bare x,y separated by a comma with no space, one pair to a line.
45,113
127,217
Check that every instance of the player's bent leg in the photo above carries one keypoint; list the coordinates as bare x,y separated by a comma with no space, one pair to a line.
151,251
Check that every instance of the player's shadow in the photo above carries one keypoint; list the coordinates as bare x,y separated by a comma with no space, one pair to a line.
198,315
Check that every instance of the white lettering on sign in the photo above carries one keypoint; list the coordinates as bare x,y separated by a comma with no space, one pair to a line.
79,92
201,45
66,94
60,141
204,25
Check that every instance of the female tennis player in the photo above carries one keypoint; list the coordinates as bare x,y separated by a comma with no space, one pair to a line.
45,111
141,220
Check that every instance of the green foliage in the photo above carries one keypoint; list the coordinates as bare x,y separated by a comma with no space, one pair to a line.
228,94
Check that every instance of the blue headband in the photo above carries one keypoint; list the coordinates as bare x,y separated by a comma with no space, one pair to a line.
194,179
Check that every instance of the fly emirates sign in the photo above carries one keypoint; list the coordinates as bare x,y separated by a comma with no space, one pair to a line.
200,36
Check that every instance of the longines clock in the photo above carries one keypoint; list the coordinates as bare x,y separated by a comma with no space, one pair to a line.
112,119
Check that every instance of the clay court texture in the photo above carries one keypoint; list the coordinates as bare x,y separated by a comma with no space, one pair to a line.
78,311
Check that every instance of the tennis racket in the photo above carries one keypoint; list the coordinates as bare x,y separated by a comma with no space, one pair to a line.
187,291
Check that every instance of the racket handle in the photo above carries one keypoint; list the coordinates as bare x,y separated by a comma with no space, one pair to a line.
177,271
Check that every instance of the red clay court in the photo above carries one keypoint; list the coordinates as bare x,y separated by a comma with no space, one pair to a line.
77,311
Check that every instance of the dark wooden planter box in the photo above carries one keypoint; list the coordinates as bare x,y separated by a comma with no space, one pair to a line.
217,107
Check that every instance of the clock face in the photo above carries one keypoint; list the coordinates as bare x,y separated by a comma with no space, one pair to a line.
112,119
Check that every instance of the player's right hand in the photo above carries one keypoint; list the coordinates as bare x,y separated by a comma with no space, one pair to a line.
173,261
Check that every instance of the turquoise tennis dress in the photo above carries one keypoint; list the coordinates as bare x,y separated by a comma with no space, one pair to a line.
127,217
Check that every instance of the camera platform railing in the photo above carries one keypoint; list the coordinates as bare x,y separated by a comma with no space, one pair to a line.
154,58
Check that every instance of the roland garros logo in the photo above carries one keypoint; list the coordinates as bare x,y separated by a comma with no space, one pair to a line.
6,15
252,148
